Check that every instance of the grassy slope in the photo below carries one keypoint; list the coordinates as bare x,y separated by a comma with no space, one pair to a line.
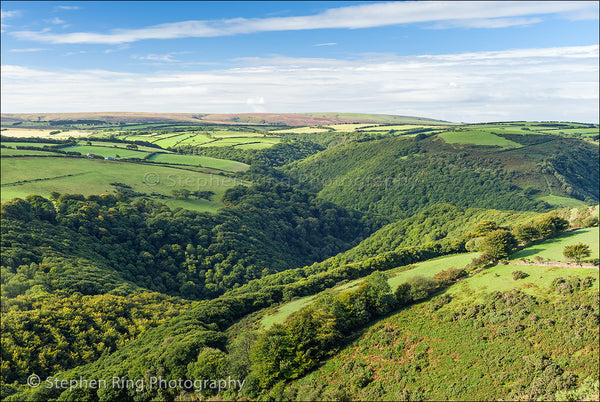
421,354
203,161
552,248
106,151
476,137
93,177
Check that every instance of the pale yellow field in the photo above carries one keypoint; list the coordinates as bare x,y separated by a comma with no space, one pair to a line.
300,130
349,126
37,132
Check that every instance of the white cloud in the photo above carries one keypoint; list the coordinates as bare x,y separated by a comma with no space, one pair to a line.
55,21
478,14
68,7
326,44
5,15
156,57
521,84
27,50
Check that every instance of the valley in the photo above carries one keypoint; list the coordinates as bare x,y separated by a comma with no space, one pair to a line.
321,256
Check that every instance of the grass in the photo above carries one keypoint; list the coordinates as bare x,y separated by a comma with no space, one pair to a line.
499,279
476,137
558,201
87,176
285,311
45,133
250,142
106,151
304,130
204,161
552,248
23,152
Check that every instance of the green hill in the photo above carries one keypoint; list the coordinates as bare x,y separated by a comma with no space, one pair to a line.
397,176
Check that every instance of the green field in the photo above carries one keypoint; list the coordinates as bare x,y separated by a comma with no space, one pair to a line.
88,176
248,142
203,161
106,151
500,279
558,201
23,152
552,248
197,139
476,137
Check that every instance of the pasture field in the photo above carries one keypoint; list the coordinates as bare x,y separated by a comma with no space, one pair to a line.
558,201
106,151
255,145
24,176
197,139
231,141
230,133
26,144
349,126
45,133
203,161
302,130
552,248
476,137
499,279
171,140
122,145
24,152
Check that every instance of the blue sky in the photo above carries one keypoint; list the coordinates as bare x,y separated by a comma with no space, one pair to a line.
458,61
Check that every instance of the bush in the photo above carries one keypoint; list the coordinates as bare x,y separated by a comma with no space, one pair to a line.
448,276
519,275
421,287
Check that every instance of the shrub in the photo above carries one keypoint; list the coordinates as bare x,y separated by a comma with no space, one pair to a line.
577,252
448,276
421,287
519,275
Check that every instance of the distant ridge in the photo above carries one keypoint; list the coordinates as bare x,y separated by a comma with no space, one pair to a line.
289,119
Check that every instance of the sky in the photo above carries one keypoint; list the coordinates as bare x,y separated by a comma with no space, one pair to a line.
471,61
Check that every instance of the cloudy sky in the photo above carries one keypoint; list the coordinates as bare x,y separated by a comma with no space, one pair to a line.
456,61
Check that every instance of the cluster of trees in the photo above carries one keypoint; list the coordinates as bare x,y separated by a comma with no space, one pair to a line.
44,333
266,228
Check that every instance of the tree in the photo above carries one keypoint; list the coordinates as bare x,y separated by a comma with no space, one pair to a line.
526,233
577,252
498,244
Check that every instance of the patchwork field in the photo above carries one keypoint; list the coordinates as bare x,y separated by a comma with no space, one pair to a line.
202,161
45,133
24,176
106,151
